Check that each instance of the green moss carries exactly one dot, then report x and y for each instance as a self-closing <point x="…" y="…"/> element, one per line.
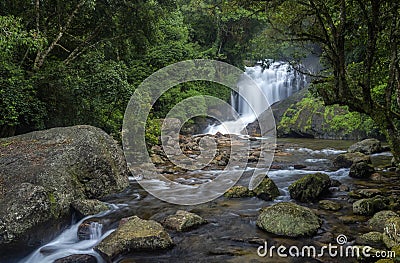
<point x="53" y="205"/>
<point x="338" y="119"/>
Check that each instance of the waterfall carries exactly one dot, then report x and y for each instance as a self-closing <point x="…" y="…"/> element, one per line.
<point x="277" y="81"/>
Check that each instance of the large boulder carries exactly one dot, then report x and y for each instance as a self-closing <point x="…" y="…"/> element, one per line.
<point x="288" y="219"/>
<point x="310" y="187"/>
<point x="132" y="235"/>
<point x="346" y="160"/>
<point x="43" y="173"/>
<point x="367" y="146"/>
<point x="361" y="170"/>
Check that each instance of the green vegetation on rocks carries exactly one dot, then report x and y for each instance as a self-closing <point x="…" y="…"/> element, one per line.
<point x="183" y="221"/>
<point x="132" y="235"/>
<point x="288" y="219"/>
<point x="267" y="190"/>
<point x="310" y="187"/>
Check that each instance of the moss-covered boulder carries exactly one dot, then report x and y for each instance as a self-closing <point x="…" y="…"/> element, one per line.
<point x="288" y="219"/>
<point x="43" y="172"/>
<point x="239" y="191"/>
<point x="183" y="221"/>
<point x="369" y="206"/>
<point x="376" y="223"/>
<point x="134" y="234"/>
<point x="310" y="187"/>
<point x="361" y="170"/>
<point x="391" y="236"/>
<point x="267" y="190"/>
<point x="367" y="146"/>
<point x="329" y="205"/>
<point x="346" y="160"/>
<point x="373" y="239"/>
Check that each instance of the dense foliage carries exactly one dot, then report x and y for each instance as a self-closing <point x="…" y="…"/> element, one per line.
<point x="78" y="62"/>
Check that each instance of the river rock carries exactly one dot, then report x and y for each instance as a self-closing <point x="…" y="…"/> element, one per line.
<point x="367" y="146"/>
<point x="369" y="206"/>
<point x="288" y="219"/>
<point x="133" y="235"/>
<point x="310" y="187"/>
<point x="373" y="239"/>
<point x="86" y="207"/>
<point x="361" y="170"/>
<point x="329" y="205"/>
<point x="77" y="259"/>
<point x="43" y="172"/>
<point x="183" y="221"/>
<point x="376" y="222"/>
<point x="391" y="235"/>
<point x="346" y="160"/>
<point x="239" y="191"/>
<point x="267" y="190"/>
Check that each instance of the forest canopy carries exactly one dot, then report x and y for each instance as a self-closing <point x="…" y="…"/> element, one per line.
<point x="78" y="62"/>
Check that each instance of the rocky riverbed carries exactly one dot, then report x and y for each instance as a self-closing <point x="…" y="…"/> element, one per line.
<point x="307" y="198"/>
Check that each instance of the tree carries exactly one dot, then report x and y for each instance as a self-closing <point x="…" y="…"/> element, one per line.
<point x="360" y="53"/>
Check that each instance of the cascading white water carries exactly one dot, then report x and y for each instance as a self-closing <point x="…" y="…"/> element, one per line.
<point x="276" y="82"/>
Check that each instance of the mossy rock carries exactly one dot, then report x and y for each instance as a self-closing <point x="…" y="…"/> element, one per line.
<point x="369" y="206"/>
<point x="361" y="170"/>
<point x="391" y="235"/>
<point x="346" y="160"/>
<point x="134" y="234"/>
<point x="289" y="219"/>
<point x="310" y="187"/>
<point x="373" y="239"/>
<point x="267" y="190"/>
<point x="367" y="146"/>
<point x="239" y="191"/>
<point x="183" y="221"/>
<point x="86" y="207"/>
<point x="329" y="205"/>
<point x="376" y="223"/>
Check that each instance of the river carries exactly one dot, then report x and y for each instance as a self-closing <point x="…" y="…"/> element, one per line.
<point x="231" y="234"/>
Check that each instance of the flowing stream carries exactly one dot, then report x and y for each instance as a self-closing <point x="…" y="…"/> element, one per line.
<point x="231" y="234"/>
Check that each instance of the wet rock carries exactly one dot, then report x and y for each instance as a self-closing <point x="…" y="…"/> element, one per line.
<point x="335" y="183"/>
<point x="361" y="170"/>
<point x="135" y="234"/>
<point x="329" y="205"/>
<point x="376" y="222"/>
<point x="267" y="190"/>
<point x="90" y="229"/>
<point x="77" y="259"/>
<point x="370" y="206"/>
<point x="239" y="191"/>
<point x="373" y="239"/>
<point x="369" y="192"/>
<point x="391" y="235"/>
<point x="43" y="172"/>
<point x="156" y="159"/>
<point x="299" y="166"/>
<point x="346" y="160"/>
<point x="86" y="207"/>
<point x="288" y="219"/>
<point x="344" y="188"/>
<point x="183" y="221"/>
<point x="326" y="238"/>
<point x="367" y="146"/>
<point x="310" y="187"/>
